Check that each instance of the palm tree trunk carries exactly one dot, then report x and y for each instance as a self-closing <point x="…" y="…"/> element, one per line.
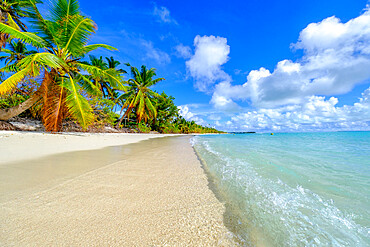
<point x="124" y="115"/>
<point x="6" y="114"/>
<point x="120" y="120"/>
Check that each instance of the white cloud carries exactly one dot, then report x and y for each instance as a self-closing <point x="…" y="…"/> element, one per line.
<point x="183" y="51"/>
<point x="156" y="54"/>
<point x="184" y="112"/>
<point x="315" y="113"/>
<point x="190" y="116"/>
<point x="336" y="59"/>
<point x="205" y="65"/>
<point x="214" y="117"/>
<point x="296" y="95"/>
<point x="164" y="15"/>
<point x="223" y="103"/>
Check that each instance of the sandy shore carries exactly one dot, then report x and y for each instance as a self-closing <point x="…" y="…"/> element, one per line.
<point x="23" y="145"/>
<point x="152" y="193"/>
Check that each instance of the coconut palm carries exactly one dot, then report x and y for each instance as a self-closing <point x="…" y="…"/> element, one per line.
<point x="101" y="81"/>
<point x="61" y="42"/>
<point x="139" y="96"/>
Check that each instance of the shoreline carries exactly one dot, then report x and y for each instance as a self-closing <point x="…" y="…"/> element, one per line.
<point x="156" y="194"/>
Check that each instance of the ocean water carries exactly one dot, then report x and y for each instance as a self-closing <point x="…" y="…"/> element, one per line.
<point x="291" y="189"/>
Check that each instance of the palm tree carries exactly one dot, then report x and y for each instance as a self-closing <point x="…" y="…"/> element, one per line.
<point x="61" y="42"/>
<point x="16" y="52"/>
<point x="11" y="12"/>
<point x="139" y="96"/>
<point x="101" y="81"/>
<point x="112" y="63"/>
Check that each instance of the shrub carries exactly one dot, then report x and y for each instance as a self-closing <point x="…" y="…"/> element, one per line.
<point x="143" y="128"/>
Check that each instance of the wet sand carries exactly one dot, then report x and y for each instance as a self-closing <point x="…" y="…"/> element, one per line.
<point x="152" y="193"/>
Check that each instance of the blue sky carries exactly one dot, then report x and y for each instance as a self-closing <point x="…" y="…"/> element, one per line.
<point x="249" y="65"/>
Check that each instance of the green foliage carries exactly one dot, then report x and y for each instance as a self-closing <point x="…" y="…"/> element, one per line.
<point x="61" y="41"/>
<point x="139" y="96"/>
<point x="143" y="128"/>
<point x="84" y="91"/>
<point x="103" y="111"/>
<point x="21" y="94"/>
<point x="11" y="100"/>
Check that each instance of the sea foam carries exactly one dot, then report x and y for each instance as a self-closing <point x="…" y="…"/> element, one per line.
<point x="292" y="189"/>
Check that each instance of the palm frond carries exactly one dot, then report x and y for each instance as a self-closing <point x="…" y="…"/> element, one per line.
<point x="79" y="30"/>
<point x="38" y="61"/>
<point x="138" y="97"/>
<point x="78" y="106"/>
<point x="88" y="86"/>
<point x="151" y="109"/>
<point x="113" y="77"/>
<point x="155" y="81"/>
<point x="6" y="50"/>
<point x="63" y="9"/>
<point x="45" y="28"/>
<point x="10" y="83"/>
<point x="12" y="23"/>
<point x="89" y="48"/>
<point x="10" y="68"/>
<point x="29" y="38"/>
<point x="140" y="110"/>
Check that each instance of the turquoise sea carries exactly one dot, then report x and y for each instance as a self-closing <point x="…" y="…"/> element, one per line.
<point x="291" y="189"/>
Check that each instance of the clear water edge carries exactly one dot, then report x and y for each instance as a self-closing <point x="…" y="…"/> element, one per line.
<point x="291" y="189"/>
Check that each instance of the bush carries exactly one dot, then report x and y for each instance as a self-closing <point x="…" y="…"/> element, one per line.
<point x="143" y="128"/>
<point x="103" y="111"/>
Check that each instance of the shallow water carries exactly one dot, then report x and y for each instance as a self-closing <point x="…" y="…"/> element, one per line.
<point x="292" y="189"/>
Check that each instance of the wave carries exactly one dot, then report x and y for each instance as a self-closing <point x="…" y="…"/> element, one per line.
<point x="268" y="211"/>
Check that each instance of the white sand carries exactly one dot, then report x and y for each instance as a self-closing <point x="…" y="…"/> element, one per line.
<point x="19" y="145"/>
<point x="156" y="194"/>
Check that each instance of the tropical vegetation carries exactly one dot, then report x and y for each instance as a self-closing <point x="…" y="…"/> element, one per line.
<point x="47" y="75"/>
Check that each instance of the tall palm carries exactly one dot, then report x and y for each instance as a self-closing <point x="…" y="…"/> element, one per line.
<point x="98" y="79"/>
<point x="101" y="81"/>
<point x="62" y="42"/>
<point x="139" y="96"/>
<point x="11" y="12"/>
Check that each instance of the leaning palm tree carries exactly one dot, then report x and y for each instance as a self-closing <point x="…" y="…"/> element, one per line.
<point x="139" y="96"/>
<point x="61" y="42"/>
<point x="11" y="12"/>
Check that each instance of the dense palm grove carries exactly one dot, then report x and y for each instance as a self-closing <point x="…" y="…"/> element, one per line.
<point x="49" y="75"/>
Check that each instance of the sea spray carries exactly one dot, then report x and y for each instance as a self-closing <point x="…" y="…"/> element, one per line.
<point x="292" y="189"/>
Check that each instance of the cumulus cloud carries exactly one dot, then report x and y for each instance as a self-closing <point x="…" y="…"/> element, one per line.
<point x="163" y="14"/>
<point x="188" y="115"/>
<point x="205" y="64"/>
<point x="183" y="51"/>
<point x="296" y="95"/>
<point x="184" y="112"/>
<point x="336" y="59"/>
<point x="156" y="54"/>
<point x="315" y="113"/>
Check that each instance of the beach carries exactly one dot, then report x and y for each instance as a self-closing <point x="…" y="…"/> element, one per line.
<point x="92" y="190"/>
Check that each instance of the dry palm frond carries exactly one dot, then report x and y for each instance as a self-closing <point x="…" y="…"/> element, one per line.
<point x="53" y="110"/>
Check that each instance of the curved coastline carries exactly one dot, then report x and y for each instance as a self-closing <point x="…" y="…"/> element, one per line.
<point x="156" y="194"/>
